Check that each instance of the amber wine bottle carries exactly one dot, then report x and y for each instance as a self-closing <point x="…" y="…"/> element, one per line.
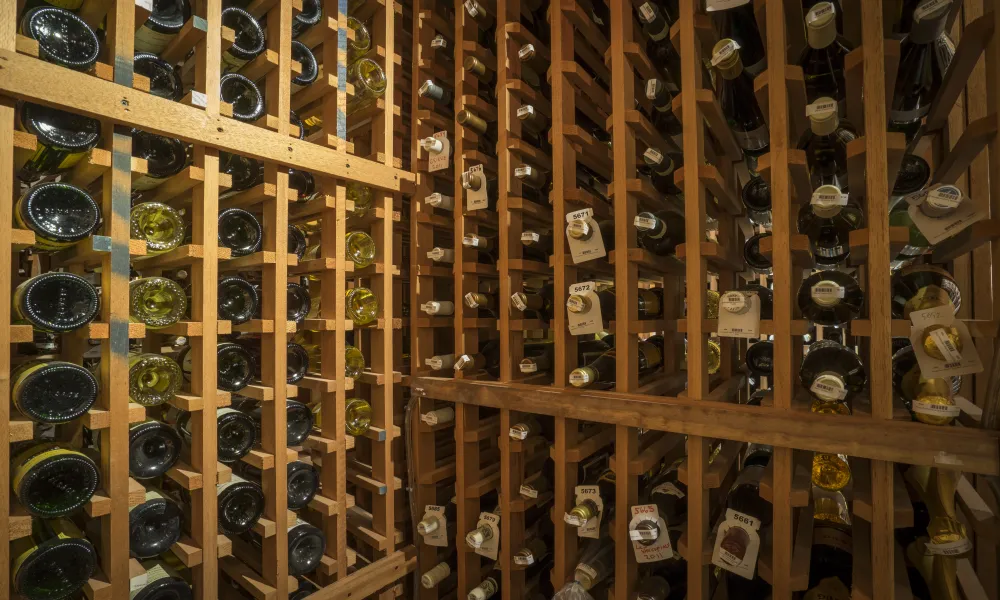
<point x="156" y="301"/>
<point x="55" y="302"/>
<point x="55" y="561"/>
<point x="362" y="305"/>
<point x="153" y="379"/>
<point x="60" y="214"/>
<point x="160" y="225"/>
<point x="154" y="447"/>
<point x="53" y="391"/>
<point x="50" y="480"/>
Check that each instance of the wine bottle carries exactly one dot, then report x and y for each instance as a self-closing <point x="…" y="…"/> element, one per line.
<point x="55" y="302"/>
<point x="162" y="582"/>
<point x="62" y="139"/>
<point x="303" y="480"/>
<point x="535" y="303"/>
<point x="310" y="70"/>
<point x="238" y="300"/>
<point x="153" y="379"/>
<point x="161" y="226"/>
<point x="756" y="197"/>
<point x="237" y="433"/>
<point x="249" y="40"/>
<point x="164" y="156"/>
<point x="534" y="126"/>
<point x="830" y="298"/>
<point x="235" y="365"/>
<point x="822" y="61"/>
<point x="438" y="308"/>
<point x="487" y="359"/>
<point x="659" y="49"/>
<point x="828" y="225"/>
<point x="582" y="304"/>
<point x="439" y="200"/>
<point x="485" y="22"/>
<point x="156" y="301"/>
<point x="825" y="145"/>
<point x="736" y="21"/>
<point x="298" y="422"/>
<point x="832" y="372"/>
<point x="601" y="374"/>
<point x="240" y="231"/>
<point x="441" y="96"/>
<point x="303" y="184"/>
<point x="596" y="564"/>
<point x="310" y="15"/>
<point x="154" y="447"/>
<point x="241" y="504"/>
<point x="55" y="561"/>
<point x="361" y="45"/>
<point x="583" y="230"/>
<point x="165" y="21"/>
<point x="485" y="245"/>
<point x="362" y="197"/>
<point x="666" y="581"/>
<point x="60" y="214"/>
<point x="486" y="301"/>
<point x="535" y="183"/>
<point x="744" y="495"/>
<point x="925" y="56"/>
<point x="442" y="255"/>
<point x="362" y="305"/>
<point x="439" y="362"/>
<point x="489" y="588"/>
<point x="246" y="173"/>
<point x="357" y="416"/>
<point x="536" y="245"/>
<point x="922" y="287"/>
<point x="831" y="560"/>
<point x="360" y="248"/>
<point x="486" y="130"/>
<point x="298" y="302"/>
<point x="51" y="480"/>
<point x="735" y="91"/>
<point x="660" y="170"/>
<point x="154" y="526"/>
<point x="533" y="69"/>
<point x="913" y="175"/>
<point x="663" y="118"/>
<point x="53" y="391"/>
<point x="758" y="262"/>
<point x="306" y="546"/>
<point x="369" y="84"/>
<point x="485" y="76"/>
<point x="62" y="37"/>
<point x="669" y="494"/>
<point x="830" y="471"/>
<point x="759" y="358"/>
<point x="243" y="94"/>
<point x="930" y="400"/>
<point x="660" y="232"/>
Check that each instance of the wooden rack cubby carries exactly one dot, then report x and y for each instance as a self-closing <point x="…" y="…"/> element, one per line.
<point x="363" y="557"/>
<point x="958" y="141"/>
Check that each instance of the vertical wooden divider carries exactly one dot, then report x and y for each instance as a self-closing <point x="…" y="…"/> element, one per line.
<point x="785" y="362"/>
<point x="696" y="275"/>
<point x="274" y="303"/>
<point x="877" y="291"/>
<point x="8" y="188"/>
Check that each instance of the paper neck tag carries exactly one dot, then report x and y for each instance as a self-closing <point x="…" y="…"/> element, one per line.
<point x="584" y="320"/>
<point x="491" y="545"/>
<point x="740" y="315"/>
<point x="737" y="544"/>
<point x="438" y="537"/>
<point x="439" y="158"/>
<point x="592" y="527"/>
<point x="649" y="534"/>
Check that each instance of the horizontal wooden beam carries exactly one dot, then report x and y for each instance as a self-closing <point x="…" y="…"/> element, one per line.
<point x="35" y="80"/>
<point x="973" y="450"/>
<point x="365" y="582"/>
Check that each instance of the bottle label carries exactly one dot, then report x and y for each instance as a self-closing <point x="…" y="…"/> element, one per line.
<point x="439" y="42"/>
<point x="835" y="538"/>
<point x="152" y="42"/>
<point x="822" y="109"/>
<point x="647" y="12"/>
<point x="438" y="537"/>
<point x="644" y="223"/>
<point x="928" y="8"/>
<point x="581" y="321"/>
<point x="528" y="366"/>
<point x="650" y="544"/>
<point x="961" y="546"/>
<point x="831" y="588"/>
<point x="740" y="315"/>
<point x="737" y="544"/>
<point x="724" y="52"/>
<point x="938" y="410"/>
<point x="591" y="528"/>
<point x="526" y="490"/>
<point x="475" y="199"/>
<point x="491" y="545"/>
<point x="945" y="197"/>
<point x="827" y="391"/>
<point x="441" y="159"/>
<point x="968" y="362"/>
<point x="530" y="237"/>
<point x="518" y="302"/>
<point x="525" y="112"/>
<point x="471" y="8"/>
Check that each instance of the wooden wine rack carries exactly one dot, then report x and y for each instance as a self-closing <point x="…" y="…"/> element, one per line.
<point x="685" y="400"/>
<point x="121" y="100"/>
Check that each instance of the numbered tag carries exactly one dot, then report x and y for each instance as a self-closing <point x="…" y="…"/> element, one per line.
<point x="489" y="548"/>
<point x="928" y="8"/>
<point x="965" y="363"/>
<point x="739" y="316"/>
<point x="938" y="229"/>
<point x="592" y="527"/>
<point x="649" y="545"/>
<point x="583" y="321"/>
<point x="439" y="161"/>
<point x="583" y="250"/>
<point x="476" y="199"/>
<point x="737" y="544"/>
<point x="438" y="537"/>
<point x="724" y="52"/>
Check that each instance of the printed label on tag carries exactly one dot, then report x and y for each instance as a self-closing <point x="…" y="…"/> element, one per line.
<point x="648" y="544"/>
<point x="573" y="520"/>
<point x="530" y="236"/>
<point x="740" y="317"/>
<point x="138" y="582"/>
<point x="579" y="215"/>
<point x="829" y="199"/>
<point x="587" y="321"/>
<point x="945" y="345"/>
<point x="198" y="99"/>
<point x="737" y="544"/>
<point x="951" y="548"/>
<point x="518" y="303"/>
<point x="819" y="11"/>
<point x="928" y="8"/>
<point x="592" y="493"/>
<point x="823" y="292"/>
<point x="937" y="230"/>
<point x="491" y="546"/>
<point x="826" y="391"/>
<point x="476" y="199"/>
<point x="439" y="42"/>
<point x="438" y="537"/>
<point x="968" y="363"/>
<point x="653" y="155"/>
<point x="517" y="433"/>
<point x="724" y="52"/>
<point x="526" y="490"/>
<point x="945" y="196"/>
<point x="821" y="108"/>
<point x="647" y="12"/>
<point x="938" y="410"/>
<point x="651" y="89"/>
<point x="525" y="111"/>
<point x="439" y="161"/>
<point x="591" y="248"/>
<point x="644" y="223"/>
